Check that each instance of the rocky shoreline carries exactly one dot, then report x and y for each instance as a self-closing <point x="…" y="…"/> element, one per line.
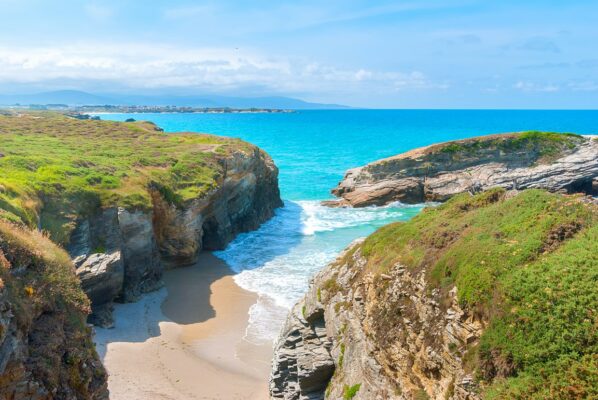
<point x="554" y="162"/>
<point x="449" y="306"/>
<point x="403" y="333"/>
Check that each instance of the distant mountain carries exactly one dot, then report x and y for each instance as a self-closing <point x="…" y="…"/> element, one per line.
<point x="69" y="97"/>
<point x="79" y="98"/>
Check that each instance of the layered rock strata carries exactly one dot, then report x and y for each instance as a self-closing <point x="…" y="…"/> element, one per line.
<point x="328" y="347"/>
<point x="120" y="253"/>
<point x="510" y="161"/>
<point x="466" y="300"/>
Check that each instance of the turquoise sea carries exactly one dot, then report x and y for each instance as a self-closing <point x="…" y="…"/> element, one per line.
<point x="312" y="150"/>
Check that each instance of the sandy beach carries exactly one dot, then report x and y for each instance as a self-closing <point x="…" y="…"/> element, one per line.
<point x="186" y="341"/>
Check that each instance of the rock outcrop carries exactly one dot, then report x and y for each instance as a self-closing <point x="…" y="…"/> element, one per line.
<point x="46" y="351"/>
<point x="464" y="300"/>
<point x="122" y="253"/>
<point x="327" y="347"/>
<point x="303" y="364"/>
<point x="126" y="199"/>
<point x="512" y="161"/>
<point x="102" y="277"/>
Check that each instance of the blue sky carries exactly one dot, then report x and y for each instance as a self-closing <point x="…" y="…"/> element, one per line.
<point x="390" y="54"/>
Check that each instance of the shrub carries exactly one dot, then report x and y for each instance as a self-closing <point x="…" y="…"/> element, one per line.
<point x="351" y="391"/>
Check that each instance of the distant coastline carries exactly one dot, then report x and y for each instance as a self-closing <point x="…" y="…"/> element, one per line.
<point x="144" y="109"/>
<point x="110" y="109"/>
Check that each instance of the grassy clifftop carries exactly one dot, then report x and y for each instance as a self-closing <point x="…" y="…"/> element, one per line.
<point x="546" y="144"/>
<point x="526" y="265"/>
<point x="53" y="167"/>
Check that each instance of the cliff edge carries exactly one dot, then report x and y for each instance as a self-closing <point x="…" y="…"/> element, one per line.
<point x="489" y="296"/>
<point x="541" y="160"/>
<point x="127" y="200"/>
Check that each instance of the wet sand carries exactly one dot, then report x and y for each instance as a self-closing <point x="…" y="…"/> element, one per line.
<point x="187" y="340"/>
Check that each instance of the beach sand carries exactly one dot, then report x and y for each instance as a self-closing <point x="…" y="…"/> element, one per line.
<point x="186" y="341"/>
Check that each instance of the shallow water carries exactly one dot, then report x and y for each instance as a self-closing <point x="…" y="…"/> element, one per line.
<point x="312" y="150"/>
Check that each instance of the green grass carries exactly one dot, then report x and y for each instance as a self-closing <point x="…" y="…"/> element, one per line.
<point x="47" y="273"/>
<point x="351" y="391"/>
<point x="37" y="278"/>
<point x="546" y="144"/>
<point x="330" y="287"/>
<point x="421" y="395"/>
<point x="529" y="266"/>
<point x="54" y="168"/>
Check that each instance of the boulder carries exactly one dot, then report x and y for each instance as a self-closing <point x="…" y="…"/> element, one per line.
<point x="102" y="277"/>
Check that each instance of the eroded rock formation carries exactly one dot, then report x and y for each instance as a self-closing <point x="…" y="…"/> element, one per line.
<point x="511" y="161"/>
<point x="330" y="343"/>
<point x="467" y="300"/>
<point x="122" y="253"/>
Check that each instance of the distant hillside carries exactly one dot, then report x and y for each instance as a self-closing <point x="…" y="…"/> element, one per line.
<point x="69" y="97"/>
<point x="78" y="98"/>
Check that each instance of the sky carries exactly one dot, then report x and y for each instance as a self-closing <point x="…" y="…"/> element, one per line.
<point x="378" y="54"/>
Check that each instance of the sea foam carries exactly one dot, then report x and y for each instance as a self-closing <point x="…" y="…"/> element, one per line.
<point x="277" y="260"/>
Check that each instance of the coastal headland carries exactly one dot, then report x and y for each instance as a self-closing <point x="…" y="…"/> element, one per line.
<point x="127" y="202"/>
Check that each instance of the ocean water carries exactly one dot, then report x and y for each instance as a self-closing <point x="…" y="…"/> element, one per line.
<point x="312" y="150"/>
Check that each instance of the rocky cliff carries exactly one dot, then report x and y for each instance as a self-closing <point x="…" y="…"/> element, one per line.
<point x="550" y="161"/>
<point x="488" y="296"/>
<point x="120" y="254"/>
<point x="46" y="350"/>
<point x="127" y="200"/>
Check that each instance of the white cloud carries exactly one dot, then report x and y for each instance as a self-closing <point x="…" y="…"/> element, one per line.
<point x="161" y="66"/>
<point x="534" y="87"/>
<point x="416" y="80"/>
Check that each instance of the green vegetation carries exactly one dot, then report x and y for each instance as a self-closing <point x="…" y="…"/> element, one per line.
<point x="547" y="144"/>
<point x="330" y="287"/>
<point x="341" y="358"/>
<point x="342" y="305"/>
<point x="421" y="395"/>
<point x="528" y="264"/>
<point x="350" y="391"/>
<point x="38" y="284"/>
<point x="47" y="274"/>
<point x="54" y="168"/>
<point x="452" y="347"/>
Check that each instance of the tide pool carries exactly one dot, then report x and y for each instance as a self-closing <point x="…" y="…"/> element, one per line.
<point x="312" y="150"/>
